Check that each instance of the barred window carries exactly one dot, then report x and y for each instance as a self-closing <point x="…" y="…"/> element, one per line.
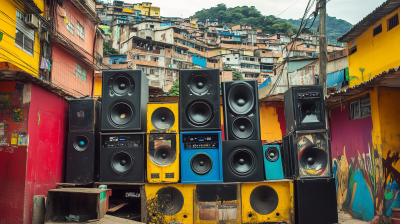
<point x="70" y="27"/>
<point x="24" y="35"/>
<point x="80" y="30"/>
<point x="80" y="72"/>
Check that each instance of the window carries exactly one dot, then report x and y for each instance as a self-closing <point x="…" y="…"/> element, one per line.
<point x="228" y="59"/>
<point x="24" y="35"/>
<point x="393" y="22"/>
<point x="156" y="13"/>
<point x="263" y="51"/>
<point x="360" y="109"/>
<point x="378" y="29"/>
<point x="80" y="72"/>
<point x="80" y="30"/>
<point x="353" y="50"/>
<point x="70" y="27"/>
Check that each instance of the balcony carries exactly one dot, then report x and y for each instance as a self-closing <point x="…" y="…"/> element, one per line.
<point x="249" y="62"/>
<point x="250" y="70"/>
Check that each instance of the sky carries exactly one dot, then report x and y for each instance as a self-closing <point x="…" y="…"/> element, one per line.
<point x="352" y="11"/>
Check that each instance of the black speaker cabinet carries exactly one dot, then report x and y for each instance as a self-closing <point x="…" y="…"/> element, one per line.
<point x="199" y="100"/>
<point x="304" y="108"/>
<point x="242" y="161"/>
<point x="286" y="155"/>
<point x="315" y="201"/>
<point x="241" y="111"/>
<point x="82" y="157"/>
<point x="122" y="157"/>
<point x="84" y="115"/>
<point x="125" y="94"/>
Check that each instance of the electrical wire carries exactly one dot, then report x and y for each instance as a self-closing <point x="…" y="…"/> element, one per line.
<point x="287" y="8"/>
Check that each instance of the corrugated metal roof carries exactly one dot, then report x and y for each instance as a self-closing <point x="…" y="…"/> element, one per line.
<point x="386" y="8"/>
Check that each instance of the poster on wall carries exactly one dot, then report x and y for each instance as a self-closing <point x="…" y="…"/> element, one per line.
<point x="18" y="114"/>
<point x="5" y="100"/>
<point x="14" y="138"/>
<point x="22" y="139"/>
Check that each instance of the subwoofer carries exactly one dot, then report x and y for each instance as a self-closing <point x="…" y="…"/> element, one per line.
<point x="84" y="115"/>
<point x="273" y="162"/>
<point x="268" y="202"/>
<point x="122" y="157"/>
<point x="163" y="158"/>
<point x="199" y="100"/>
<point x="162" y="118"/>
<point x="82" y="157"/>
<point x="304" y="108"/>
<point x="201" y="157"/>
<point x="241" y="111"/>
<point x="169" y="203"/>
<point x="125" y="94"/>
<point x="315" y="201"/>
<point x="242" y="161"/>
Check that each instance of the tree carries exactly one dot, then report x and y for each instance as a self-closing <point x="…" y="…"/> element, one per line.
<point x="174" y="91"/>
<point x="108" y="50"/>
<point x="236" y="75"/>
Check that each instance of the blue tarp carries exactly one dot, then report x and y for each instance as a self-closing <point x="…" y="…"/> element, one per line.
<point x="265" y="83"/>
<point x="335" y="77"/>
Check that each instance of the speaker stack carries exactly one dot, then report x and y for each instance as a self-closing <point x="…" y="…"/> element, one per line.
<point x="125" y="96"/>
<point x="306" y="155"/>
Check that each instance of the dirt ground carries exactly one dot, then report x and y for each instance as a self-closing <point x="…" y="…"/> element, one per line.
<point x="345" y="218"/>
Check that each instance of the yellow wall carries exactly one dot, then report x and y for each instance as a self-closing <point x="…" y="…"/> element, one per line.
<point x="270" y="121"/>
<point x="223" y="51"/>
<point x="375" y="54"/>
<point x="10" y="54"/>
<point x="127" y="10"/>
<point x="97" y="86"/>
<point x="155" y="11"/>
<point x="147" y="9"/>
<point x="193" y="24"/>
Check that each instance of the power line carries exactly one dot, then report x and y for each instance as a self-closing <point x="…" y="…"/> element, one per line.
<point x="287" y="8"/>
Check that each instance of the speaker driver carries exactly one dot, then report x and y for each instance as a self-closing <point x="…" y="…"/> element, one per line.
<point x="121" y="84"/>
<point x="201" y="164"/>
<point x="199" y="83"/>
<point x="199" y="113"/>
<point x="80" y="143"/>
<point x="264" y="200"/>
<point x="121" y="113"/>
<point x="121" y="162"/>
<point x="171" y="200"/>
<point x="241" y="98"/>
<point x="242" y="127"/>
<point x="272" y="154"/>
<point x="162" y="118"/>
<point x="242" y="161"/>
<point x="313" y="160"/>
<point x="163" y="156"/>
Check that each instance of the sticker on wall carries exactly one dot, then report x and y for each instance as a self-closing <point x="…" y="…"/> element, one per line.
<point x="3" y="140"/>
<point x="1" y="128"/>
<point x="14" y="138"/>
<point x="5" y="100"/>
<point x="23" y="139"/>
<point x="18" y="114"/>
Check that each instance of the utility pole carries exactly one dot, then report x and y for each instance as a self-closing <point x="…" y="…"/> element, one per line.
<point x="323" y="60"/>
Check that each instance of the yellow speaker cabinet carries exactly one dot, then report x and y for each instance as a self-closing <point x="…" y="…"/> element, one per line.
<point x="170" y="203"/>
<point x="162" y="117"/>
<point x="267" y="202"/>
<point x="162" y="158"/>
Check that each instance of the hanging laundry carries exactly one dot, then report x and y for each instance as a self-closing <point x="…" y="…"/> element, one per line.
<point x="44" y="64"/>
<point x="65" y="20"/>
<point x="48" y="62"/>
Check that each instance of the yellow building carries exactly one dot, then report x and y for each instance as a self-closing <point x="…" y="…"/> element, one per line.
<point x="19" y="37"/>
<point x="147" y="9"/>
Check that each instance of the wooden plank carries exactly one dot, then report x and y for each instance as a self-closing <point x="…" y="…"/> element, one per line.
<point x="143" y="204"/>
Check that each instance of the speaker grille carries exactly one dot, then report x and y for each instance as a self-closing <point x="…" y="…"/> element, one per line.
<point x="121" y="162"/>
<point x="242" y="127"/>
<point x="199" y="113"/>
<point x="199" y="83"/>
<point x="171" y="200"/>
<point x="272" y="154"/>
<point x="163" y="118"/>
<point x="163" y="156"/>
<point x="201" y="163"/>
<point x="80" y="143"/>
<point x="241" y="98"/>
<point x="121" y="113"/>
<point x="242" y="161"/>
<point x="313" y="157"/>
<point x="121" y="84"/>
<point x="264" y="200"/>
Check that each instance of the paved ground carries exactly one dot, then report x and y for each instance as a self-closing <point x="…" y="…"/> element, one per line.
<point x="345" y="218"/>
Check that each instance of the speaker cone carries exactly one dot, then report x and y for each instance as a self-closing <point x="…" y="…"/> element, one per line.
<point x="264" y="200"/>
<point x="242" y="161"/>
<point x="122" y="84"/>
<point x="171" y="200"/>
<point x="313" y="157"/>
<point x="121" y="162"/>
<point x="199" y="113"/>
<point x="121" y="113"/>
<point x="272" y="154"/>
<point x="241" y="98"/>
<point x="242" y="127"/>
<point x="162" y="118"/>
<point x="199" y="83"/>
<point x="163" y="156"/>
<point x="201" y="164"/>
<point x="80" y="143"/>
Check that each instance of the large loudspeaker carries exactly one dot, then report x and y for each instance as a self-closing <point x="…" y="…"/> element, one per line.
<point x="201" y="157"/>
<point x="163" y="158"/>
<point x="304" y="108"/>
<point x="124" y="104"/>
<point x="199" y="100"/>
<point x="84" y="115"/>
<point x="267" y="202"/>
<point x="122" y="158"/>
<point x="169" y="203"/>
<point x="241" y="111"/>
<point x="243" y="161"/>
<point x="315" y="201"/>
<point x="273" y="162"/>
<point x="217" y="203"/>
<point x="82" y="157"/>
<point x="162" y="118"/>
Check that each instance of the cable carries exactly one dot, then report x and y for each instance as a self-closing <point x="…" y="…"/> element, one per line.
<point x="287" y="8"/>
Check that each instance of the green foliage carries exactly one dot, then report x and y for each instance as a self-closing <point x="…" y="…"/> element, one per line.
<point x="236" y="75"/>
<point x="174" y="91"/>
<point x="108" y="50"/>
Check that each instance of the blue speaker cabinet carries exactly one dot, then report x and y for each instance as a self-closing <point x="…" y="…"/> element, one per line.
<point x="273" y="162"/>
<point x="201" y="157"/>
